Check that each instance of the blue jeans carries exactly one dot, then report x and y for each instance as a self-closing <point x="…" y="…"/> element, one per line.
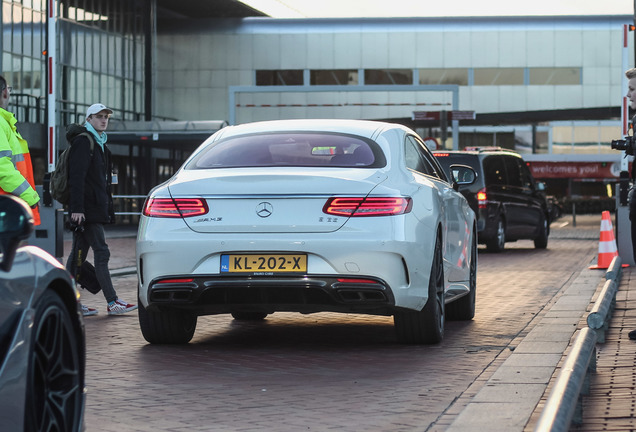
<point x="93" y="237"/>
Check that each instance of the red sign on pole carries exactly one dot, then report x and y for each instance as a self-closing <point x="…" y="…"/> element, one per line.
<point x="426" y="115"/>
<point x="436" y="115"/>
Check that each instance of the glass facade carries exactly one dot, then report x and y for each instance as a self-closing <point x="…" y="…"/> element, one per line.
<point x="434" y="76"/>
<point x="555" y="76"/>
<point x="457" y="76"/>
<point x="100" y="57"/>
<point x="23" y="61"/>
<point x="279" y="77"/>
<point x="388" y="76"/>
<point x="499" y="76"/>
<point x="334" y="77"/>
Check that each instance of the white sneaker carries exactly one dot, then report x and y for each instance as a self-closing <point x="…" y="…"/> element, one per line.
<point x="88" y="311"/>
<point x="119" y="307"/>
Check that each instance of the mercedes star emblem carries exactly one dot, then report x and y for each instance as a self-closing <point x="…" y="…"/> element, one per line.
<point x="264" y="209"/>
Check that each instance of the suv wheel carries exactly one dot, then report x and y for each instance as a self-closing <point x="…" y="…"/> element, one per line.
<point x="498" y="242"/>
<point x="541" y="242"/>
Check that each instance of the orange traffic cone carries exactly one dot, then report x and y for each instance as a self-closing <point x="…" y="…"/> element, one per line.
<point x="607" y="249"/>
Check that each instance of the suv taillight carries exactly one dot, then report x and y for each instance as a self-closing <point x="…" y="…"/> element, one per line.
<point x="370" y="206"/>
<point x="175" y="208"/>
<point x="482" y="198"/>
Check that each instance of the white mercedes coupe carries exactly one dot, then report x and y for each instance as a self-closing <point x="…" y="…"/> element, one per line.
<point x="308" y="216"/>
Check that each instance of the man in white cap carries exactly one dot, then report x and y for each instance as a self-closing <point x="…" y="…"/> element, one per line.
<point x="91" y="201"/>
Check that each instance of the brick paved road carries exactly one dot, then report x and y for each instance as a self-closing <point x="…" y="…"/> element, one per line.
<point x="316" y="372"/>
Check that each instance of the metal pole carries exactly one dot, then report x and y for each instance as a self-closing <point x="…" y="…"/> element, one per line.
<point x="149" y="39"/>
<point x="51" y="83"/>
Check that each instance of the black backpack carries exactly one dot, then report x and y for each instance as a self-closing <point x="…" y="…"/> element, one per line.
<point x="58" y="185"/>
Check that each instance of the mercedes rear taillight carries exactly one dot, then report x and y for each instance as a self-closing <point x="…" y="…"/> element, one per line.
<point x="370" y="206"/>
<point x="175" y="208"/>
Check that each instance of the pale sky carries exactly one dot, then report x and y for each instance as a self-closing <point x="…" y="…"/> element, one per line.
<point x="437" y="8"/>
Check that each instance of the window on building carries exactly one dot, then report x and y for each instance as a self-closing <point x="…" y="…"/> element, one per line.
<point x="457" y="76"/>
<point x="555" y="76"/>
<point x="23" y="65"/>
<point x="388" y="76"/>
<point x="102" y="58"/>
<point x="334" y="77"/>
<point x="285" y="77"/>
<point x="499" y="76"/>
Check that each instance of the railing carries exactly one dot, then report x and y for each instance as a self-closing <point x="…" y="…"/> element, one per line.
<point x="27" y="108"/>
<point x="564" y="405"/>
<point x="129" y="207"/>
<point x="74" y="112"/>
<point x="597" y="318"/>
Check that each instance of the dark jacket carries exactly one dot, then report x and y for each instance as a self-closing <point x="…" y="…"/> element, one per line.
<point x="90" y="178"/>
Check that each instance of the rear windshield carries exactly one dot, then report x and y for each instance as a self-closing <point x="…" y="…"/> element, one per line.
<point x="448" y="159"/>
<point x="290" y="149"/>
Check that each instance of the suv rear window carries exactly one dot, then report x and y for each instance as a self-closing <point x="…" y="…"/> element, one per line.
<point x="448" y="159"/>
<point x="290" y="149"/>
<point x="494" y="170"/>
<point x="514" y="176"/>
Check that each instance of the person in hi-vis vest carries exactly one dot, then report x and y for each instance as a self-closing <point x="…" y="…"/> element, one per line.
<point x="16" y="169"/>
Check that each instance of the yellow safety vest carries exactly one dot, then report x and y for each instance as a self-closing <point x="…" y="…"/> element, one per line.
<point x="16" y="169"/>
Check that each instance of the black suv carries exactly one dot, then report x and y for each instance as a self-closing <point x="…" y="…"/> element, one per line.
<point x="508" y="203"/>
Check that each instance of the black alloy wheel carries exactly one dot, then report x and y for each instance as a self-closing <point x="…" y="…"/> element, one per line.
<point x="55" y="387"/>
<point x="426" y="326"/>
<point x="463" y="309"/>
<point x="166" y="326"/>
<point x="498" y="243"/>
<point x="541" y="241"/>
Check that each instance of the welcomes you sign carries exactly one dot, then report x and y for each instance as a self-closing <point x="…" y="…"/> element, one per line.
<point x="583" y="170"/>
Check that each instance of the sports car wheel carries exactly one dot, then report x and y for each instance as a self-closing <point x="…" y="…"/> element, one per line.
<point x="249" y="316"/>
<point x="167" y="326"/>
<point x="55" y="384"/>
<point x="498" y="243"/>
<point x="427" y="325"/>
<point x="464" y="308"/>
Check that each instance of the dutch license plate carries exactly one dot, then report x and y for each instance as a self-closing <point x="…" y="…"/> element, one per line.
<point x="264" y="263"/>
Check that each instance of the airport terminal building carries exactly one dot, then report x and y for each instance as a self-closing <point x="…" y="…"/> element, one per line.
<point x="174" y="72"/>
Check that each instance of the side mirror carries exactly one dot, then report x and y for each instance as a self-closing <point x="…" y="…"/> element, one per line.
<point x="463" y="175"/>
<point x="16" y="225"/>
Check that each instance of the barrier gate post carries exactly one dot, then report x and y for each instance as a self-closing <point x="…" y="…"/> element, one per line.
<point x="49" y="235"/>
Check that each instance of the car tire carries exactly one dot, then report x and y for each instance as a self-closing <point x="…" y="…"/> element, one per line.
<point x="55" y="375"/>
<point x="426" y="326"/>
<point x="498" y="242"/>
<point x="463" y="309"/>
<point x="541" y="242"/>
<point x="249" y="316"/>
<point x="166" y="326"/>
